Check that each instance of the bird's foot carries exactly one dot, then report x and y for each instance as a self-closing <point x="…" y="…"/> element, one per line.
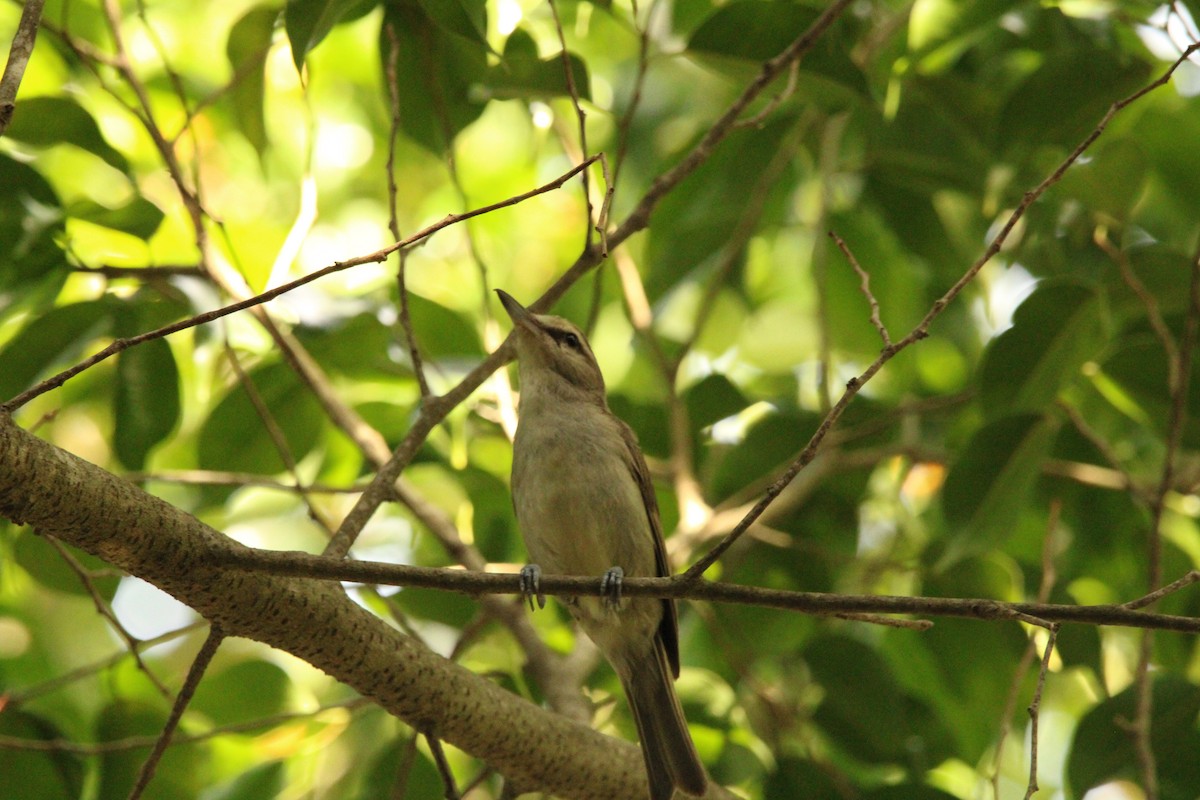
<point x="610" y="587"/>
<point x="531" y="585"/>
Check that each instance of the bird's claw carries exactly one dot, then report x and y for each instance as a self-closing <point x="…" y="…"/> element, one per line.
<point x="531" y="585"/>
<point x="610" y="587"/>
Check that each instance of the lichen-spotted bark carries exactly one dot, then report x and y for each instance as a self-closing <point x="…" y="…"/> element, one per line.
<point x="79" y="503"/>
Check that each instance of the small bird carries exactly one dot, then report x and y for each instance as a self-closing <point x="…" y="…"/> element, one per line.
<point x="585" y="505"/>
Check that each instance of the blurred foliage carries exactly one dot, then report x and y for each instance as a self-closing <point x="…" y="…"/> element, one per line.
<point x="912" y="130"/>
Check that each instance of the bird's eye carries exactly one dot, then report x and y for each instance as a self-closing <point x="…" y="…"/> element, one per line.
<point x="571" y="340"/>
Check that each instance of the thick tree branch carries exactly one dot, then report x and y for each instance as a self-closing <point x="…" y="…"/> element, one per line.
<point x="87" y="507"/>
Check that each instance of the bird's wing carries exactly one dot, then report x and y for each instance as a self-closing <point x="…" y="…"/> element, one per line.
<point x="668" y="629"/>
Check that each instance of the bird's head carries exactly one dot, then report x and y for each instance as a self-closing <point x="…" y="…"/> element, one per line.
<point x="553" y="354"/>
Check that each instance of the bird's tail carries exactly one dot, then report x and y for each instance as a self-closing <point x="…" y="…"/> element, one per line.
<point x="671" y="759"/>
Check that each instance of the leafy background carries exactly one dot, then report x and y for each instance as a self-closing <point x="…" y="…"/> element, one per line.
<point x="1016" y="450"/>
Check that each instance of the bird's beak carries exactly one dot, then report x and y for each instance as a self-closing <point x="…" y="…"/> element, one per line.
<point x="520" y="315"/>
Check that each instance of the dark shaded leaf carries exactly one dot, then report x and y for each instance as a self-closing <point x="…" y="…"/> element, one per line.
<point x="989" y="486"/>
<point x="1059" y="328"/>
<point x="44" y="564"/>
<point x="247" y="47"/>
<point x="47" y="121"/>
<point x="244" y="691"/>
<point x="138" y="217"/>
<point x="308" y="22"/>
<point x="440" y="72"/>
<point x="260" y="782"/>
<point x="33" y="774"/>
<point x="31" y="221"/>
<point x="181" y="772"/>
<point x="859" y="692"/>
<point x="520" y="73"/>
<point x="1103" y="750"/>
<point x="466" y="18"/>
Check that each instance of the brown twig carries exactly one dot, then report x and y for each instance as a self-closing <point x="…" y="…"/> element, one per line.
<point x="18" y="58"/>
<point x="864" y="285"/>
<point x="580" y="117"/>
<point x="1141" y="727"/>
<point x="443" y="767"/>
<point x="195" y="674"/>
<point x="102" y="607"/>
<point x="120" y="345"/>
<point x="922" y="329"/>
<point x="410" y="340"/>
<point x="290" y="563"/>
<point x="1034" y="708"/>
<point x="1170" y="588"/>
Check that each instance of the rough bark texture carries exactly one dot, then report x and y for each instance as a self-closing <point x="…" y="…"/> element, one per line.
<point x="85" y="506"/>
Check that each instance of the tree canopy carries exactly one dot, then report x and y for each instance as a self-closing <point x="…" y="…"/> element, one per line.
<point x="900" y="298"/>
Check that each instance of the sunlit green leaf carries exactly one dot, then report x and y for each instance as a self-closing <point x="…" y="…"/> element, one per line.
<point x="58" y="336"/>
<point x="235" y="438"/>
<point x="308" y="22"/>
<point x="242" y="692"/>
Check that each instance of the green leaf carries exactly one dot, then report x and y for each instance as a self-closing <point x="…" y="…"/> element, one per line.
<point x="1064" y="99"/>
<point x="308" y="22"/>
<point x="58" y="336"/>
<point x="234" y="438"/>
<point x="181" y="772"/>
<point x="940" y="30"/>
<point x="45" y="565"/>
<point x="257" y="783"/>
<point x="766" y="446"/>
<point x="440" y="331"/>
<point x="466" y="18"/>
<point x="859" y="691"/>
<point x="1103" y="749"/>
<point x="138" y="217"/>
<point x="520" y="73"/>
<point x="988" y="487"/>
<point x="439" y="70"/>
<point x="247" y="47"/>
<point x="755" y="31"/>
<point x="34" y="774"/>
<point x="712" y="399"/>
<point x="1059" y="328"/>
<point x="146" y="406"/>
<point x="698" y="218"/>
<point x="245" y="691"/>
<point x="47" y="121"/>
<point x="31" y="222"/>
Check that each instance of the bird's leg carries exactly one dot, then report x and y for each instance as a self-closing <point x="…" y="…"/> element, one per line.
<point x="531" y="585"/>
<point x="610" y="587"/>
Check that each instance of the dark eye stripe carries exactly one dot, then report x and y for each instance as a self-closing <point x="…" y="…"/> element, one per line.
<point x="569" y="338"/>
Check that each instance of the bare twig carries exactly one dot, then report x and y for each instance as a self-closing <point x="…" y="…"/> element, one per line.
<point x="922" y="329"/>
<point x="377" y="256"/>
<point x="479" y="583"/>
<point x="1034" y="708"/>
<point x="102" y="607"/>
<point x="18" y="58"/>
<point x="414" y="352"/>
<point x="195" y="673"/>
<point x="443" y="767"/>
<point x="581" y="118"/>
<point x="1170" y="588"/>
<point x="1141" y="727"/>
<point x="864" y="285"/>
